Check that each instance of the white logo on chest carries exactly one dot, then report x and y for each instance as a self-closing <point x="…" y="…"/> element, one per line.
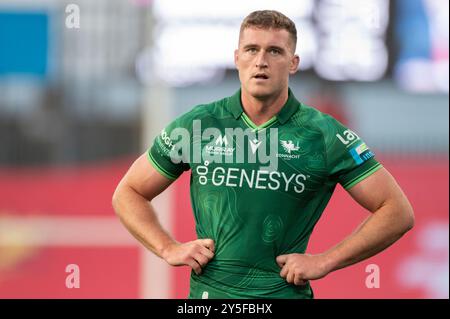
<point x="289" y="146"/>
<point x="254" y="145"/>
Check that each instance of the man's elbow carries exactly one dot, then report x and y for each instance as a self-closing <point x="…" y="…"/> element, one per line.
<point x="117" y="199"/>
<point x="411" y="221"/>
<point x="408" y="218"/>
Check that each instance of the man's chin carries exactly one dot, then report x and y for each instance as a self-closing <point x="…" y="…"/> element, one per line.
<point x="261" y="94"/>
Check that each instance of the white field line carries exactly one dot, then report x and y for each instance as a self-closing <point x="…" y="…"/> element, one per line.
<point x="63" y="231"/>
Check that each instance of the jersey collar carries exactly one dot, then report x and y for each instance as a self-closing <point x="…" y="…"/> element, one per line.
<point x="290" y="107"/>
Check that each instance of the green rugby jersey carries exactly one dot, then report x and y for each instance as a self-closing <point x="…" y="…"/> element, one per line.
<point x="258" y="191"/>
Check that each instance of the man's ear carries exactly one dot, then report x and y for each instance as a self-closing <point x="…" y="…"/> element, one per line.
<point x="294" y="64"/>
<point x="236" y="58"/>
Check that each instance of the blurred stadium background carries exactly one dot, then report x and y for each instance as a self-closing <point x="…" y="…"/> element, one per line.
<point x="78" y="105"/>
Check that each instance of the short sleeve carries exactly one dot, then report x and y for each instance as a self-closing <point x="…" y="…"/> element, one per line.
<point x="166" y="153"/>
<point x="349" y="159"/>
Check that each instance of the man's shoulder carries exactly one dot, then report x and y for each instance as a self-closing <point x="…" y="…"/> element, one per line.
<point x="311" y="117"/>
<point x="218" y="109"/>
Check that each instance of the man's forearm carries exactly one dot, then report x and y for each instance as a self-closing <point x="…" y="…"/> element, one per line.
<point x="138" y="216"/>
<point x="375" y="234"/>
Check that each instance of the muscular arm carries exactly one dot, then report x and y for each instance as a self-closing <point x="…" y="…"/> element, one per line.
<point x="392" y="216"/>
<point x="132" y="203"/>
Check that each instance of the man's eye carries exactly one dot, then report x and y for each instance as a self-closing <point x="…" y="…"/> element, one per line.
<point x="274" y="51"/>
<point x="251" y="50"/>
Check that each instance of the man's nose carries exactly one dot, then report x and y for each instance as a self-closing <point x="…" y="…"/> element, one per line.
<point x="261" y="60"/>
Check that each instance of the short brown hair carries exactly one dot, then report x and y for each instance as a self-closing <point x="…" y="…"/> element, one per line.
<point x="270" y="19"/>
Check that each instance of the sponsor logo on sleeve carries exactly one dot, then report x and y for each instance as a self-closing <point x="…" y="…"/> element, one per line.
<point x="348" y="137"/>
<point x="166" y="142"/>
<point x="361" y="153"/>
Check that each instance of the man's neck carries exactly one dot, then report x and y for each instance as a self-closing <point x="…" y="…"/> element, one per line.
<point x="262" y="110"/>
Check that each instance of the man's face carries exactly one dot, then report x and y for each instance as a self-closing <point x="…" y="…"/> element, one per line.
<point x="264" y="60"/>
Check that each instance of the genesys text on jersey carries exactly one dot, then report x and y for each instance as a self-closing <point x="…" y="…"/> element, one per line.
<point x="254" y="179"/>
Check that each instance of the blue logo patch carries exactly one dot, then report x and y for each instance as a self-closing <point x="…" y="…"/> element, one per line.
<point x="361" y="153"/>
